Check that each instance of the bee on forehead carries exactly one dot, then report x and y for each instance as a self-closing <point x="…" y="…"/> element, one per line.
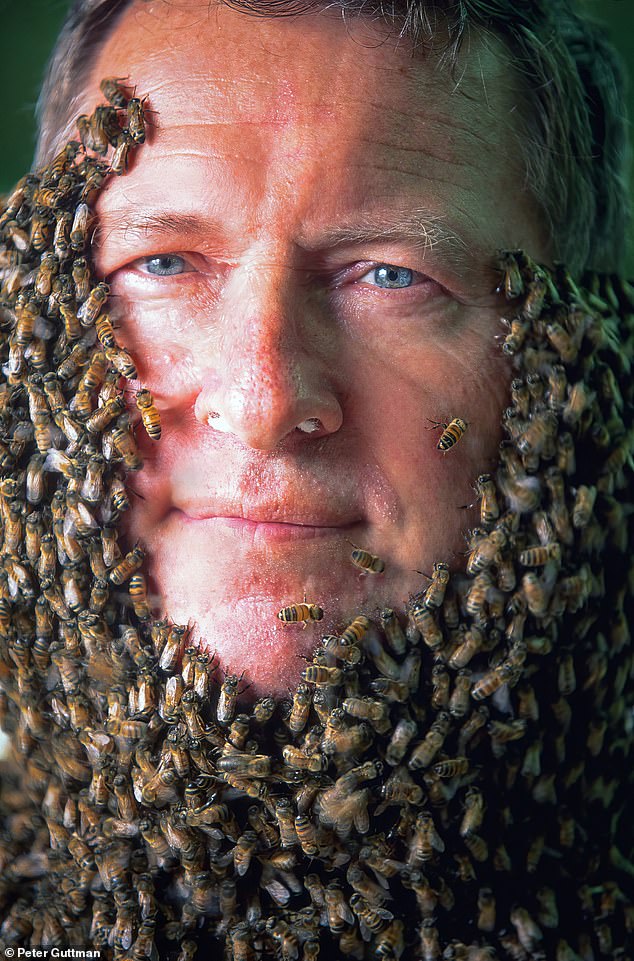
<point x="114" y="92"/>
<point x="451" y="432"/>
<point x="136" y="119"/>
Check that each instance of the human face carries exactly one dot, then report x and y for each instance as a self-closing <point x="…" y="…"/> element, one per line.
<point x="301" y="260"/>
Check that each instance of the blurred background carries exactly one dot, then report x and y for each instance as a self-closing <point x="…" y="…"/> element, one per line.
<point x="28" y="29"/>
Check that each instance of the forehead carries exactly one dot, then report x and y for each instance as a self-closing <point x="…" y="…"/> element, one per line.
<point x="204" y="62"/>
<point x="305" y="121"/>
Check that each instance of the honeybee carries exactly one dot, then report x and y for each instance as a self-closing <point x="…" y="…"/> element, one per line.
<point x="41" y="229"/>
<point x="390" y="689"/>
<point x="125" y="568"/>
<point x="583" y="506"/>
<point x="349" y="653"/>
<point x="514" y="340"/>
<point x="520" y="397"/>
<point x="341" y="740"/>
<point x="451" y="767"/>
<point x="528" y="932"/>
<point x="426" y="623"/>
<point x="338" y="912"/>
<point x="563" y="343"/>
<point x="400" y="788"/>
<point x="489" y="507"/>
<point x="49" y="266"/>
<point x="81" y="278"/>
<point x="440" y="684"/>
<point x="113" y="92"/>
<point x="307" y="835"/>
<point x="127" y="449"/>
<point x="486" y="551"/>
<point x="369" y="563"/>
<point x="538" y="556"/>
<point x="513" y="284"/>
<point x="301" y="708"/>
<point x="138" y="594"/>
<point x="27" y="315"/>
<point x="245" y="765"/>
<point x="486" y="910"/>
<point x="149" y="414"/>
<point x="356" y="630"/>
<point x="393" y="631"/>
<point x="459" y="700"/>
<point x="322" y="675"/>
<point x="367" y="709"/>
<point x="311" y="950"/>
<point x="451" y="434"/>
<point x="121" y="360"/>
<point x="435" y="593"/>
<point x="136" y="119"/>
<point x="297" y="758"/>
<point x="425" y="841"/>
<point x="119" y="162"/>
<point x="472" y="642"/>
<point x="300" y="613"/>
<point x="372" y="918"/>
<point x="79" y="229"/>
<point x="286" y="823"/>
<point x="105" y="333"/>
<point x="228" y="699"/>
<point x="426" y="751"/>
<point x="89" y="310"/>
<point x="73" y="363"/>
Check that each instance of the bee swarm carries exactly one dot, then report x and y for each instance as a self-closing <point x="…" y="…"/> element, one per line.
<point x="453" y="785"/>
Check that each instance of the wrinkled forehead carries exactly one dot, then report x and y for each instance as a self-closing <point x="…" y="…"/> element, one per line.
<point x="200" y="62"/>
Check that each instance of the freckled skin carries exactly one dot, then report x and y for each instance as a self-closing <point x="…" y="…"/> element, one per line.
<point x="274" y="134"/>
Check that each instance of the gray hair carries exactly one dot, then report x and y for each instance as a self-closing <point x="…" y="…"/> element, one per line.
<point x="574" y="139"/>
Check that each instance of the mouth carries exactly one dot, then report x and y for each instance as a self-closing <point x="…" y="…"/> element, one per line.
<point x="267" y="529"/>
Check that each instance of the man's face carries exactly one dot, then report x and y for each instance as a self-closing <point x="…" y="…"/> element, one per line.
<point x="301" y="260"/>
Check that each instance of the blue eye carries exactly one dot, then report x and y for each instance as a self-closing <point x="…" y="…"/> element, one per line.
<point x="165" y="265"/>
<point x="389" y="277"/>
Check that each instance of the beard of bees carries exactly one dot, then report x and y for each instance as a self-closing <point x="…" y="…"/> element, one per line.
<point x="457" y="786"/>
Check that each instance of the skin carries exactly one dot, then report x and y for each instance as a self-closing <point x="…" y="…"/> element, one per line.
<point x="289" y="159"/>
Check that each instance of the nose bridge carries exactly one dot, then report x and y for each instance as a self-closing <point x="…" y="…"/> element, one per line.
<point x="264" y="335"/>
<point x="269" y="374"/>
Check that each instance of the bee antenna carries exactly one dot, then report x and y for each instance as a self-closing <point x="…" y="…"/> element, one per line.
<point x="424" y="574"/>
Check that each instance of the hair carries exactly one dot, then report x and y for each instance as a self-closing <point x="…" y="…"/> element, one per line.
<point x="573" y="140"/>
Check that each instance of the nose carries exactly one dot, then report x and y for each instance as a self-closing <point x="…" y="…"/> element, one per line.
<point x="271" y="372"/>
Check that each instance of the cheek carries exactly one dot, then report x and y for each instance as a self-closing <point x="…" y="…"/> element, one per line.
<point x="411" y="391"/>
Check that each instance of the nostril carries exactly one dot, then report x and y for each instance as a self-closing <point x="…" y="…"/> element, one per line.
<point x="310" y="426"/>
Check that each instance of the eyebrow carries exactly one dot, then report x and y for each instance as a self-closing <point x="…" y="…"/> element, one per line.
<point x="419" y="229"/>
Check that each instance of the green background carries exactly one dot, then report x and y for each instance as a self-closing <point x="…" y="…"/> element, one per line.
<point x="27" y="33"/>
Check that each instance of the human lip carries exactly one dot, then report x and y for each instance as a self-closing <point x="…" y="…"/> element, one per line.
<point x="275" y="521"/>
<point x="258" y="530"/>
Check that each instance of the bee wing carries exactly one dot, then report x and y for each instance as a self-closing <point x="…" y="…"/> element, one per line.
<point x="344" y="911"/>
<point x="277" y="891"/>
<point x="437" y="842"/>
<point x="362" y="819"/>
